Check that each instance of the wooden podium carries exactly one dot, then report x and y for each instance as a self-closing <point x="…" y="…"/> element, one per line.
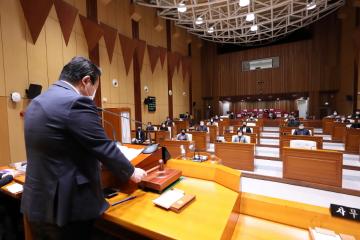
<point x="201" y="140"/>
<point x="352" y="140"/>
<point x="236" y="155"/>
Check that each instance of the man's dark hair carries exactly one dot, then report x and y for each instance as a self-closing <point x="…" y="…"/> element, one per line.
<point x="78" y="68"/>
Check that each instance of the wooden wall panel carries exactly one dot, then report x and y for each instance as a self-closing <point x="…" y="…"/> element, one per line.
<point x="311" y="65"/>
<point x="4" y="133"/>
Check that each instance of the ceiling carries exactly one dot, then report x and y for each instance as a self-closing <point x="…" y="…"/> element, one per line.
<point x="254" y="22"/>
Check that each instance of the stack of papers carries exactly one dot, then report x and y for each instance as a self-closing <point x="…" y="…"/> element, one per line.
<point x="323" y="234"/>
<point x="130" y="153"/>
<point x="168" y="198"/>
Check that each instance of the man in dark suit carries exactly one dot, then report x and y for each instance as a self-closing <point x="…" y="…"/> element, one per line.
<point x="301" y="130"/>
<point x="139" y="136"/>
<point x="64" y="144"/>
<point x="202" y="127"/>
<point x="244" y="128"/>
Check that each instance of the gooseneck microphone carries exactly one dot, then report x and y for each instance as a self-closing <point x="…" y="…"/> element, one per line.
<point x="151" y="147"/>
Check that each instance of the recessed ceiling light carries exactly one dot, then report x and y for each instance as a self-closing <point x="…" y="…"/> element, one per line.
<point x="250" y="17"/>
<point x="181" y="7"/>
<point x="199" y="20"/>
<point x="244" y="3"/>
<point x="254" y="28"/>
<point x="311" y="6"/>
<point x="210" y="30"/>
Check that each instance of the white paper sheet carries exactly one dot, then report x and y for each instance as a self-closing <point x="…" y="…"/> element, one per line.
<point x="15" y="188"/>
<point x="130" y="153"/>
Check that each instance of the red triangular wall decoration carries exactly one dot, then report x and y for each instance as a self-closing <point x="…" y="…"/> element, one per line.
<point x="128" y="47"/>
<point x="67" y="15"/>
<point x="92" y="31"/>
<point x="154" y="55"/>
<point x="140" y="51"/>
<point x="162" y="54"/>
<point x="36" y="12"/>
<point x="178" y="61"/>
<point x="110" y="34"/>
<point x="173" y="60"/>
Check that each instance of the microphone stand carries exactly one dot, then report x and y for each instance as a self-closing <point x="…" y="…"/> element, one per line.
<point x="133" y="120"/>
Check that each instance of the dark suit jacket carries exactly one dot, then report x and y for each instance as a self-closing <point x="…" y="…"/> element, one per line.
<point x="64" y="141"/>
<point x="301" y="132"/>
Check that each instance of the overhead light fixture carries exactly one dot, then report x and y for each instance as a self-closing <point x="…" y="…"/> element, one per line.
<point x="181" y="7"/>
<point x="254" y="28"/>
<point x="250" y="17"/>
<point x="199" y="20"/>
<point x="210" y="30"/>
<point x="244" y="3"/>
<point x="311" y="5"/>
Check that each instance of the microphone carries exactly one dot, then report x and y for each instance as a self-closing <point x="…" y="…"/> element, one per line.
<point x="151" y="147"/>
<point x="112" y="129"/>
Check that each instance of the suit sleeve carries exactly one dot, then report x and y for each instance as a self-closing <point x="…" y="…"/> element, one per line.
<point x="84" y="124"/>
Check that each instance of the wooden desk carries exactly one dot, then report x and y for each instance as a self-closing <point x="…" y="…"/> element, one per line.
<point x="352" y="140"/>
<point x="173" y="146"/>
<point x="273" y="122"/>
<point x="213" y="131"/>
<point x="222" y="125"/>
<point x="287" y="130"/>
<point x="180" y="124"/>
<point x="208" y="217"/>
<point x="201" y="140"/>
<point x="314" y="166"/>
<point x="338" y="131"/>
<point x="327" y="125"/>
<point x="285" y="141"/>
<point x="236" y="155"/>
<point x="312" y="123"/>
<point x="253" y="137"/>
<point x="161" y="135"/>
<point x="249" y="228"/>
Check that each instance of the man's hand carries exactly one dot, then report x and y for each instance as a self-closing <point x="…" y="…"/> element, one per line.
<point x="138" y="175"/>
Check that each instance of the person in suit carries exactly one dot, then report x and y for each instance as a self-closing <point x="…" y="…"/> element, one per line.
<point x="182" y="136"/>
<point x="163" y="127"/>
<point x="244" y="128"/>
<point x="149" y="127"/>
<point x="301" y="130"/>
<point x="293" y="122"/>
<point x="65" y="141"/>
<point x="139" y="136"/>
<point x="169" y="122"/>
<point x="240" y="138"/>
<point x="202" y="127"/>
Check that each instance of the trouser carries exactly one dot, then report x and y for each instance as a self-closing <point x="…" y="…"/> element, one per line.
<point x="73" y="230"/>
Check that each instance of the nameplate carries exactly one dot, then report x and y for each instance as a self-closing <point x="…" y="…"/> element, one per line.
<point x="345" y="212"/>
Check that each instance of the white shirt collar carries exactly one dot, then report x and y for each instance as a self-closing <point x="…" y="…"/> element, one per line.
<point x="75" y="89"/>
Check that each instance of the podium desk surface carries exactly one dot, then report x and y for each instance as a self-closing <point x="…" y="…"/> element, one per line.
<point x="205" y="218"/>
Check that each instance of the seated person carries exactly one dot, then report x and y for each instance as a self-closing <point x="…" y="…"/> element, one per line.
<point x="216" y="118"/>
<point x="202" y="127"/>
<point x="139" y="136"/>
<point x="240" y="138"/>
<point x="149" y="127"/>
<point x="244" y="128"/>
<point x="301" y="130"/>
<point x="163" y="127"/>
<point x="232" y="115"/>
<point x="169" y="122"/>
<point x="293" y="122"/>
<point x="182" y="136"/>
<point x="355" y="125"/>
<point x="212" y="122"/>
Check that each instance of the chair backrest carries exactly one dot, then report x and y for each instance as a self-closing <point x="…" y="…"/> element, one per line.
<point x="252" y="130"/>
<point x="248" y="139"/>
<point x="306" y="144"/>
<point x="233" y="137"/>
<point x="310" y="132"/>
<point x="155" y="128"/>
<point x="251" y="124"/>
<point x="189" y="135"/>
<point x="220" y="138"/>
<point x="292" y="131"/>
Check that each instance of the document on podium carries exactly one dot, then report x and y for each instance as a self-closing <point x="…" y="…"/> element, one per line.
<point x="168" y="198"/>
<point x="130" y="153"/>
